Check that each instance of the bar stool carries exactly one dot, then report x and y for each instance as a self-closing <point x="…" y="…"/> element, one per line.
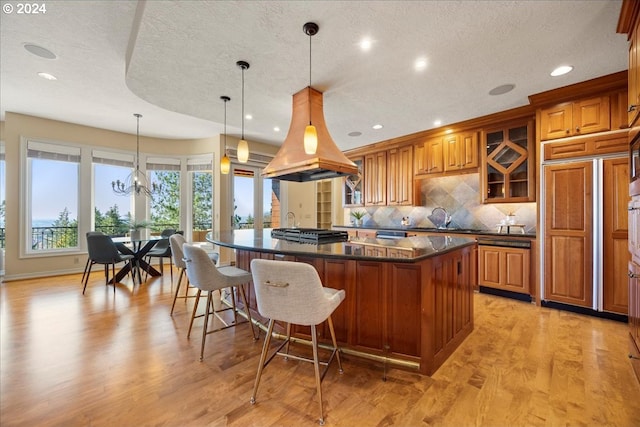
<point x="175" y="242"/>
<point x="292" y="292"/>
<point x="204" y="275"/>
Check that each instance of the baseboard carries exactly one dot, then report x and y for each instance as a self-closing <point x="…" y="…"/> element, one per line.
<point x="583" y="310"/>
<point x="506" y="294"/>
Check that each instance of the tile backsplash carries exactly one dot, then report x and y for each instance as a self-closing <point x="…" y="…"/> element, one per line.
<point x="459" y="195"/>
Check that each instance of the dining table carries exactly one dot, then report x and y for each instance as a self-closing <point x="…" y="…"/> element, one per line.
<point x="139" y="249"/>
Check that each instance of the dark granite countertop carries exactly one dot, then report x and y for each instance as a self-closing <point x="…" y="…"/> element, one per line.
<point x="469" y="231"/>
<point x="411" y="248"/>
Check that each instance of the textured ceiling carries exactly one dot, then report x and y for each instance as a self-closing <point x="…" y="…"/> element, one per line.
<point x="172" y="60"/>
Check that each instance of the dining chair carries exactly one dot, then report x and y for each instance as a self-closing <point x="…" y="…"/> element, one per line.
<point x="292" y="292"/>
<point x="102" y="250"/>
<point x="86" y="265"/>
<point x="204" y="275"/>
<point x="162" y="250"/>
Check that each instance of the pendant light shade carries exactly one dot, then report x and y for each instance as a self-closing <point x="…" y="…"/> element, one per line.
<point x="310" y="132"/>
<point x="310" y="139"/>
<point x="243" y="145"/>
<point x="243" y="151"/>
<point x="225" y="163"/>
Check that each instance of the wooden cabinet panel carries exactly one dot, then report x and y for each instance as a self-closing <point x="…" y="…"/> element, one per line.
<point x="556" y="122"/>
<point x="504" y="268"/>
<point x="596" y="145"/>
<point x="633" y="94"/>
<point x="434" y="152"/>
<point x="400" y="174"/>
<point x="339" y="274"/>
<point x="615" y="235"/>
<point x="591" y="115"/>
<point x="369" y="309"/>
<point x="460" y="151"/>
<point x="403" y="324"/>
<point x="375" y="179"/>
<point x="575" y="118"/>
<point x="568" y="233"/>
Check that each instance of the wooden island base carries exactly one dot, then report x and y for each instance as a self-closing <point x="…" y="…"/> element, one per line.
<point x="409" y="314"/>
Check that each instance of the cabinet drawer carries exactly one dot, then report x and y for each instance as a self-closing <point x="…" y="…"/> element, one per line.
<point x="604" y="144"/>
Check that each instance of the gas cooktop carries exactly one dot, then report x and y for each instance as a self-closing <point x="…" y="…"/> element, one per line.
<point x="309" y="235"/>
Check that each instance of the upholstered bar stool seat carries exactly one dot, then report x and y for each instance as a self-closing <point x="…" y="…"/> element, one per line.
<point x="204" y="275"/>
<point x="292" y="292"/>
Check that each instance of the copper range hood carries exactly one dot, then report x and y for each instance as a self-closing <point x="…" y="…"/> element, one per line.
<point x="291" y="163"/>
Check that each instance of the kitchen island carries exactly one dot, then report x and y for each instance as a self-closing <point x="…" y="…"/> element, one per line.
<point x="409" y="301"/>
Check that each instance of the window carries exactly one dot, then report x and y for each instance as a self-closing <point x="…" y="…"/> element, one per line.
<point x="112" y="212"/>
<point x="52" y="196"/>
<point x="200" y="172"/>
<point x="165" y="203"/>
<point x="3" y="201"/>
<point x="255" y="200"/>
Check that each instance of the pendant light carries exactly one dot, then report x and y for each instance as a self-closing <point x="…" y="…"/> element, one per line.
<point x="225" y="163"/>
<point x="136" y="182"/>
<point x="310" y="133"/>
<point x="243" y="145"/>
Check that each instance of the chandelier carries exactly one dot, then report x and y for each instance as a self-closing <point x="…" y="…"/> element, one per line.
<point x="136" y="182"/>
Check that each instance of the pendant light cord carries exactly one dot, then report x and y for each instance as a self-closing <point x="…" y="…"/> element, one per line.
<point x="137" y="141"/>
<point x="242" y="102"/>
<point x="309" y="79"/>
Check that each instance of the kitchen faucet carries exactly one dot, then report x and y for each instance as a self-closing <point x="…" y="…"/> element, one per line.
<point x="291" y="215"/>
<point x="444" y="222"/>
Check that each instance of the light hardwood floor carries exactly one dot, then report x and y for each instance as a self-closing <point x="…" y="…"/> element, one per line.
<point x="69" y="359"/>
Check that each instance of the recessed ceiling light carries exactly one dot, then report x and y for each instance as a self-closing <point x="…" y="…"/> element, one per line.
<point x="437" y="122"/>
<point x="499" y="90"/>
<point x="276" y="129"/>
<point x="561" y="70"/>
<point x="47" y="76"/>
<point x="376" y="127"/>
<point x="365" y="44"/>
<point x="420" y="64"/>
<point x="248" y="117"/>
<point x="354" y="133"/>
<point x="40" y="51"/>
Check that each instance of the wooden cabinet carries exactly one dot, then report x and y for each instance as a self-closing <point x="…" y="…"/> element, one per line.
<point x="504" y="268"/>
<point x="428" y="157"/>
<point x="461" y="151"/>
<point x="400" y="176"/>
<point x="575" y="118"/>
<point x="569" y="236"/>
<point x="352" y="187"/>
<point x="452" y="153"/>
<point x="388" y="177"/>
<point x="584" y="147"/>
<point x="508" y="164"/>
<point x="568" y="233"/>
<point x="414" y="314"/>
<point x="615" y="232"/>
<point x="375" y="179"/>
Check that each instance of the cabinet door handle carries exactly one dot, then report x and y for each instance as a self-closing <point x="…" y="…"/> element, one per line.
<point x="633" y="275"/>
<point x="577" y="129"/>
<point x="568" y="131"/>
<point x="631" y="108"/>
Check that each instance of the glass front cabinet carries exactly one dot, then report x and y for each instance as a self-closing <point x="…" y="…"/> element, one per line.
<point x="508" y="163"/>
<point x="352" y="188"/>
